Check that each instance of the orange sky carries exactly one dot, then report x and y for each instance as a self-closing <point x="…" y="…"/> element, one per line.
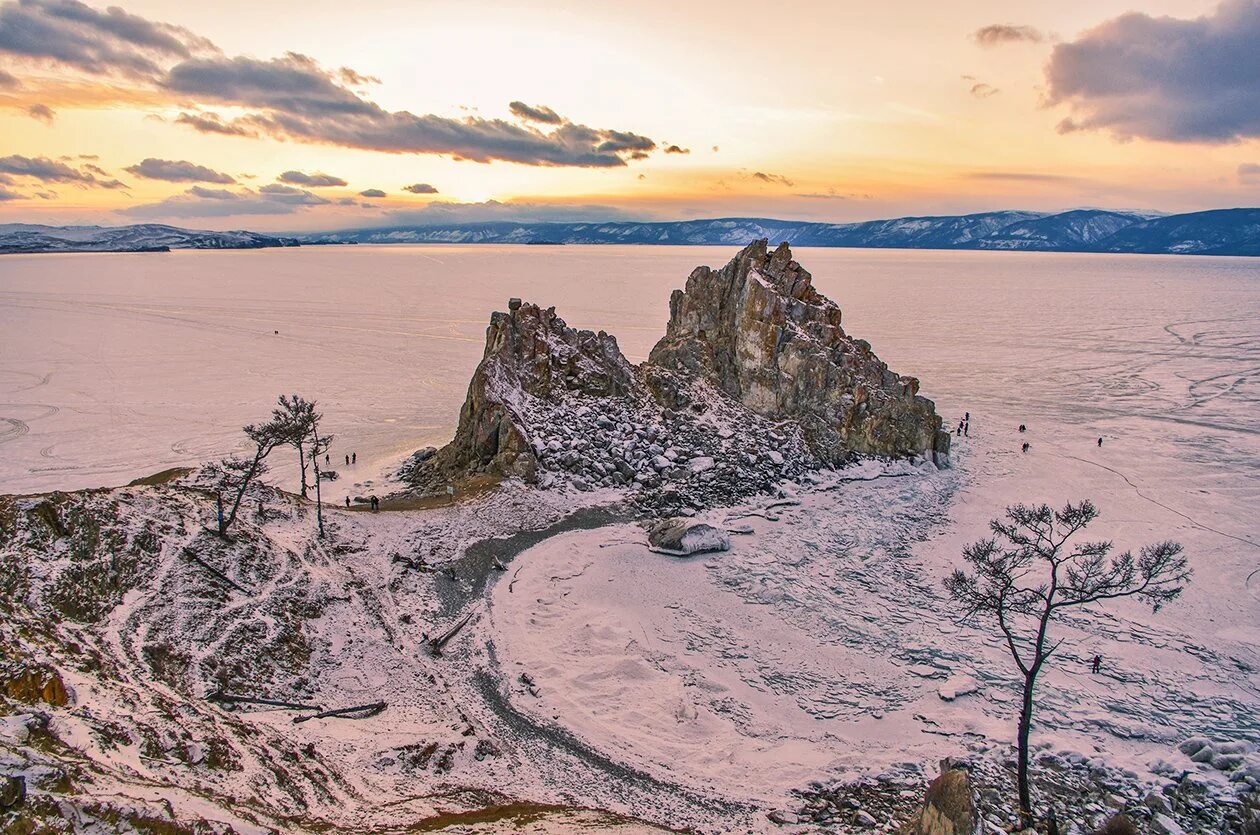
<point x="823" y="110"/>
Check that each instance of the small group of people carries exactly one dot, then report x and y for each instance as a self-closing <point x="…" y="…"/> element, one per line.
<point x="964" y="425"/>
<point x="1028" y="446"/>
<point x="351" y="458"/>
<point x="373" y="502"/>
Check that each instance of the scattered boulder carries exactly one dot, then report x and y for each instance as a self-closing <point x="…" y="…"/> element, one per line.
<point x="682" y="537"/>
<point x="949" y="807"/>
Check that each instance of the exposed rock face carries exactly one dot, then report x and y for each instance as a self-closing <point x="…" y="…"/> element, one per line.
<point x="531" y="354"/>
<point x="755" y="382"/>
<point x="760" y="332"/>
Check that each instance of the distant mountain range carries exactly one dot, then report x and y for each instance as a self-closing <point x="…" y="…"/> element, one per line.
<point x="141" y="237"/>
<point x="1217" y="232"/>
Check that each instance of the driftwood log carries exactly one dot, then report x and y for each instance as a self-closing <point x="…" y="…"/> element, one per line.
<point x="362" y="711"/>
<point x="216" y="573"/>
<point x="229" y="699"/>
<point x="436" y="644"/>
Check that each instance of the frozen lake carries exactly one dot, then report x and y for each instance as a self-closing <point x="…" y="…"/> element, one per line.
<point x="116" y="366"/>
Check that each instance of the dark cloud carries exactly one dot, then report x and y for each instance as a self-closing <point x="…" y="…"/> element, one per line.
<point x="178" y="171"/>
<point x="420" y="188"/>
<point x="1000" y="33"/>
<point x="290" y="195"/>
<point x="212" y="123"/>
<point x="72" y="34"/>
<point x="6" y="194"/>
<point x="983" y="91"/>
<point x="8" y="81"/>
<point x="372" y="192"/>
<point x="298" y="178"/>
<point x="674" y="149"/>
<point x="542" y="114"/>
<point x="42" y="112"/>
<point x="772" y="179"/>
<point x="1164" y="78"/>
<point x="213" y="202"/>
<point x="212" y="193"/>
<point x="1249" y="172"/>
<point x="291" y="97"/>
<point x="47" y="170"/>
<point x="297" y="99"/>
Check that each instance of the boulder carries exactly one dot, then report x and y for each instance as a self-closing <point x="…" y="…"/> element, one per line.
<point x="949" y="807"/>
<point x="681" y="536"/>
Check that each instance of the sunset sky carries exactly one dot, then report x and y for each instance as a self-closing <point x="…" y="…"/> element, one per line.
<point x="321" y="114"/>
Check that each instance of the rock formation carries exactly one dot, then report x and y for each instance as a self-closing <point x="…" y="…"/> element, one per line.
<point x="949" y="807"/>
<point x="754" y="382"/>
<point x="762" y="334"/>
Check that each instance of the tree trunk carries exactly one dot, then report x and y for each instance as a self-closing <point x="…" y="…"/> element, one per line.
<point x="240" y="493"/>
<point x="1025" y="727"/>
<point x="302" y="461"/>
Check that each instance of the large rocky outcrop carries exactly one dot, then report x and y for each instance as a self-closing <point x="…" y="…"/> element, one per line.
<point x="760" y="332"/>
<point x="753" y="383"/>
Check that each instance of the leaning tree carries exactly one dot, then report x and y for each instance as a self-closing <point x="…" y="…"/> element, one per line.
<point x="1025" y="575"/>
<point x="298" y="416"/>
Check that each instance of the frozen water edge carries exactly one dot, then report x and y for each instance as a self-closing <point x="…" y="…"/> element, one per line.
<point x="818" y="646"/>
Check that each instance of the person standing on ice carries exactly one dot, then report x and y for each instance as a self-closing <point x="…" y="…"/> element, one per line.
<point x="347" y="460"/>
<point x="354" y="458"/>
<point x="1097" y="665"/>
<point x="347" y="501"/>
<point x="1100" y="441"/>
<point x="1026" y="446"/>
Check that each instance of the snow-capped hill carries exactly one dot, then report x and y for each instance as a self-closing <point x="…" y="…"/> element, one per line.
<point x="1080" y="230"/>
<point x="1217" y="232"/>
<point x="141" y="237"/>
<point x="1075" y="230"/>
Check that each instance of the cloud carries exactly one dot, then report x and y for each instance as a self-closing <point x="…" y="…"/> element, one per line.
<point x="291" y="97"/>
<point x="71" y="34"/>
<point x="199" y="201"/>
<point x="292" y="196"/>
<point x="983" y="91"/>
<point x="46" y="170"/>
<point x="372" y="192"/>
<point x="1002" y="33"/>
<point x="212" y="123"/>
<point x="772" y="179"/>
<point x="1163" y="78"/>
<point x="1249" y="172"/>
<point x="317" y="180"/>
<point x="178" y="171"/>
<point x="420" y="188"/>
<point x="438" y="213"/>
<point x="674" y="149"/>
<point x="1023" y="177"/>
<point x="9" y="81"/>
<point x="42" y="112"/>
<point x="6" y="195"/>
<point x="542" y="114"/>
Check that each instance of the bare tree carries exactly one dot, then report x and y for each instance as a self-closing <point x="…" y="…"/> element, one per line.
<point x="1025" y="575"/>
<point x="298" y="415"/>
<point x="239" y="473"/>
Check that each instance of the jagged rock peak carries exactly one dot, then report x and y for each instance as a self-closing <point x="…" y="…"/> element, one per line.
<point x="531" y="355"/>
<point x="759" y="331"/>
